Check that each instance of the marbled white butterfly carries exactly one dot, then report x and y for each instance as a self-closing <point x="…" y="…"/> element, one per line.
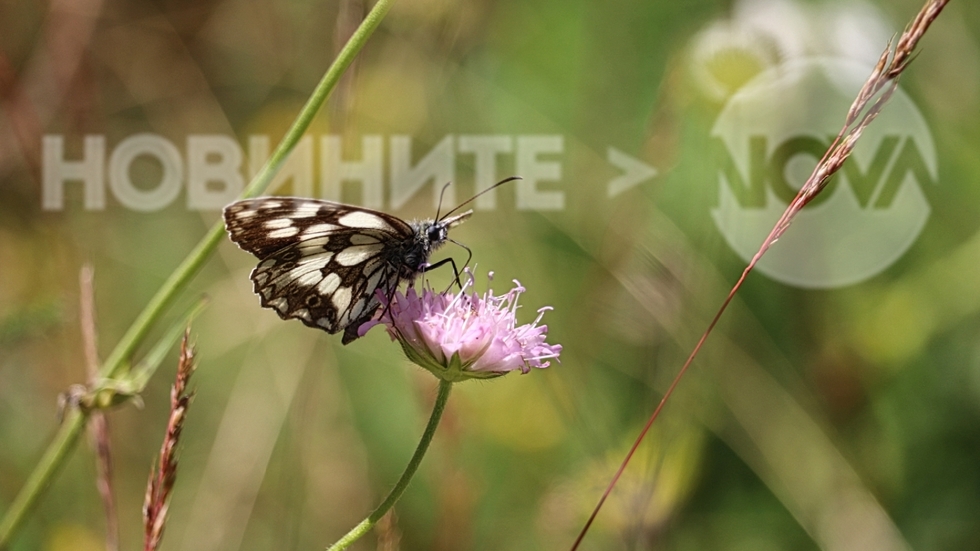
<point x="322" y="262"/>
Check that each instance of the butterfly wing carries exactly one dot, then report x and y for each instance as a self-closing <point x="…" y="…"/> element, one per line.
<point x="320" y="262"/>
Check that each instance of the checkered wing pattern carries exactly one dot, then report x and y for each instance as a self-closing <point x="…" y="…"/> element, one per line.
<point x="322" y="262"/>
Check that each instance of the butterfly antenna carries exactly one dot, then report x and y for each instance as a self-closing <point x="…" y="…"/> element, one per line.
<point x="471" y="199"/>
<point x="441" y="194"/>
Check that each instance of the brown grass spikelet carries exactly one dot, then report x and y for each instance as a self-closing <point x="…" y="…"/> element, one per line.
<point x="164" y="475"/>
<point x="874" y="94"/>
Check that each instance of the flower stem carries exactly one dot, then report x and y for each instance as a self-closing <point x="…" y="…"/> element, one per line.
<point x="430" y="429"/>
<point x="120" y="357"/>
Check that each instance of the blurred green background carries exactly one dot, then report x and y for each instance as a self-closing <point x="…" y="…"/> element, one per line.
<point x="844" y="418"/>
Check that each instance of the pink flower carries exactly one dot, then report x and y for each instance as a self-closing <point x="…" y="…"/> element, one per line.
<point x="461" y="336"/>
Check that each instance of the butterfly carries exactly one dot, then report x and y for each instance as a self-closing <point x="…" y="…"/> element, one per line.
<point x="323" y="262"/>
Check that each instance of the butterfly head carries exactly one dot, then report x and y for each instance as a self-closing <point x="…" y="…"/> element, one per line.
<point x="437" y="231"/>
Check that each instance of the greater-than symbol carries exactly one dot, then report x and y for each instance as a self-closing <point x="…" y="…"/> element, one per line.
<point x="635" y="172"/>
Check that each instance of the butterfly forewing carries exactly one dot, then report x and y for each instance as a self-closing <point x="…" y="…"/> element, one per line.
<point x="322" y="262"/>
<point x="266" y="225"/>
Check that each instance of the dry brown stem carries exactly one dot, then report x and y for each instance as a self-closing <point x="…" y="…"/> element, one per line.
<point x="98" y="424"/>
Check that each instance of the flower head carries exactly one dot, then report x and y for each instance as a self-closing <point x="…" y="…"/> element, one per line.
<point x="465" y="335"/>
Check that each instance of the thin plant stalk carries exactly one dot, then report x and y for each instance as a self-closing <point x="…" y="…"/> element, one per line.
<point x="870" y="101"/>
<point x="67" y="435"/>
<point x="98" y="424"/>
<point x="430" y="429"/>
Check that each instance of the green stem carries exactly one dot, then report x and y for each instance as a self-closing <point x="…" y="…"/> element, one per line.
<point x="68" y="433"/>
<point x="53" y="457"/>
<point x="430" y="429"/>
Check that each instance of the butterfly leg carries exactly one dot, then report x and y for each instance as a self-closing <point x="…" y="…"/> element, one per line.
<point x="444" y="261"/>
<point x="372" y="309"/>
<point x="469" y="252"/>
<point x="469" y="256"/>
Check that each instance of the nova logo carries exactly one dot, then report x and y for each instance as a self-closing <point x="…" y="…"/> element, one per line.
<point x="767" y="140"/>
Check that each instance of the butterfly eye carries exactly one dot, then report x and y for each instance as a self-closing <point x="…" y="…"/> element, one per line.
<point x="437" y="233"/>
